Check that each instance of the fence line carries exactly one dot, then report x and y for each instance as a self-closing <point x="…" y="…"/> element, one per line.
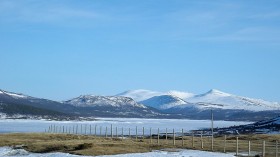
<point x="223" y="143"/>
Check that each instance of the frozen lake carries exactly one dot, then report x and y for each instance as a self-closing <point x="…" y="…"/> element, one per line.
<point x="118" y="124"/>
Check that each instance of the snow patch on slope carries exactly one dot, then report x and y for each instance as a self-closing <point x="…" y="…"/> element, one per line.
<point x="164" y="102"/>
<point x="14" y="95"/>
<point x="181" y="95"/>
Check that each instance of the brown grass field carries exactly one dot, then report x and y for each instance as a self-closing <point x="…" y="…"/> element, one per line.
<point x="90" y="145"/>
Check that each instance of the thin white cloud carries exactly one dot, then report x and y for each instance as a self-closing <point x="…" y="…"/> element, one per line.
<point x="253" y="34"/>
<point x="267" y="15"/>
<point x="34" y="11"/>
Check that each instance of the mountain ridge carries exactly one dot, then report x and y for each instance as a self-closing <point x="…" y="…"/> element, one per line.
<point x="159" y="105"/>
<point x="214" y="99"/>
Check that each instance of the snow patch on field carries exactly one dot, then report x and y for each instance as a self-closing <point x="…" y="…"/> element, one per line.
<point x="9" y="152"/>
<point x="178" y="153"/>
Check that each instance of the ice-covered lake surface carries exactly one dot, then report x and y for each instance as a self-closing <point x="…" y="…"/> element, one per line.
<point x="118" y="124"/>
<point x="9" y="152"/>
<point x="83" y="127"/>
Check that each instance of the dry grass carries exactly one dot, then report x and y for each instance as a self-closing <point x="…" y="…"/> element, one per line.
<point x="90" y="145"/>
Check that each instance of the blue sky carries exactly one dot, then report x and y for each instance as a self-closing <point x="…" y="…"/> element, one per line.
<point x="61" y="49"/>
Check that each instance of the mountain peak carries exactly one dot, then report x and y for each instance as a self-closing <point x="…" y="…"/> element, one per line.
<point x="216" y="92"/>
<point x="140" y="94"/>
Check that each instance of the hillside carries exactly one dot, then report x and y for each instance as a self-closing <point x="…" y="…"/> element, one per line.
<point x="87" y="106"/>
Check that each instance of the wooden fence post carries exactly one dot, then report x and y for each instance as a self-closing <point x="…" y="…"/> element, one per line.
<point x="276" y="148"/>
<point x="95" y="130"/>
<point x="182" y="137"/>
<point x="112" y="131"/>
<point x="212" y="142"/>
<point x="173" y="137"/>
<point x="249" y="148"/>
<point x="166" y="135"/>
<point x="158" y="136"/>
<point x="201" y="140"/>
<point x="106" y="132"/>
<point x="225" y="143"/>
<point x="77" y="126"/>
<point x="117" y="135"/>
<point x="236" y="146"/>
<point x="100" y="133"/>
<point x="143" y="133"/>
<point x="263" y="150"/>
<point x="136" y="132"/>
<point x="122" y="133"/>
<point x="150" y="135"/>
<point x="73" y="129"/>
<point x="90" y="129"/>
<point x="193" y="140"/>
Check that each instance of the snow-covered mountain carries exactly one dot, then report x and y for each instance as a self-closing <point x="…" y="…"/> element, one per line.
<point x="213" y="99"/>
<point x="15" y="104"/>
<point x="93" y="100"/>
<point x="220" y="100"/>
<point x="152" y="104"/>
<point x="164" y="102"/>
<point x="142" y="94"/>
<point x="113" y="106"/>
<point x="86" y="106"/>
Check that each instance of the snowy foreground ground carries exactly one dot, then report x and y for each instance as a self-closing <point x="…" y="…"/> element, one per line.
<point x="9" y="152"/>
